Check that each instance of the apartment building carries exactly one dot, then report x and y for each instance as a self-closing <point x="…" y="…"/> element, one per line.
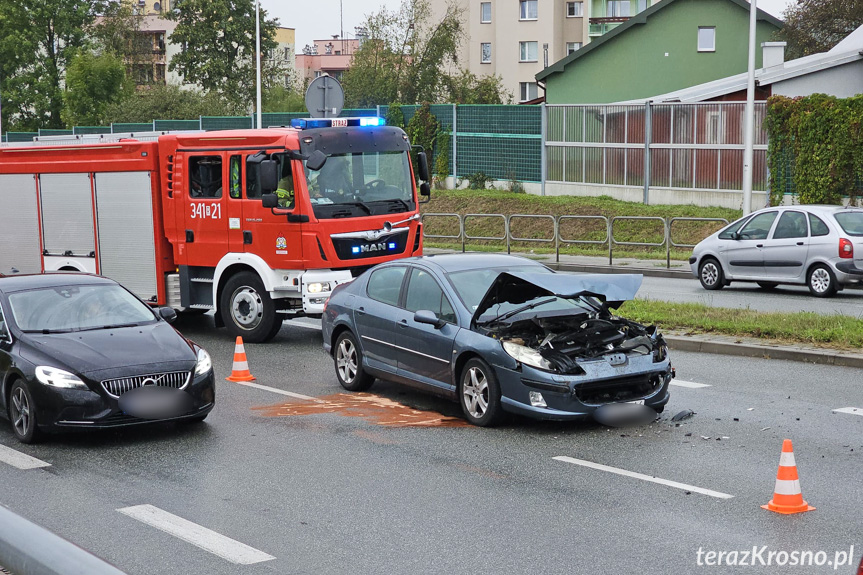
<point x="331" y="57"/>
<point x="516" y="39"/>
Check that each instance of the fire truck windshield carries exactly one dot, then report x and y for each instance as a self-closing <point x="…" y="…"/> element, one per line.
<point x="361" y="184"/>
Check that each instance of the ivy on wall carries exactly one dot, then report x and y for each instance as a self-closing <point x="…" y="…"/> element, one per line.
<point x="815" y="148"/>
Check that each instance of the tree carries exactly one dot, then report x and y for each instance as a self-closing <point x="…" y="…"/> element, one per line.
<point x="282" y="99"/>
<point x="93" y="83"/>
<point x="166" y="103"/>
<point x="813" y="26"/>
<point x="37" y="38"/>
<point x="218" y="39"/>
<point x="410" y="57"/>
<point x="468" y="88"/>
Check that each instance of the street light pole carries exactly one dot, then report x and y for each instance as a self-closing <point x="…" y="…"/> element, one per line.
<point x="258" y="58"/>
<point x="750" y="112"/>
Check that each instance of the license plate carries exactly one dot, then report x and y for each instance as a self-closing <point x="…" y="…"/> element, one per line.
<point x="636" y="402"/>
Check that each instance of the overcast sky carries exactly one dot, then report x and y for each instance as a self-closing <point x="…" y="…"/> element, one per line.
<point x="319" y="19"/>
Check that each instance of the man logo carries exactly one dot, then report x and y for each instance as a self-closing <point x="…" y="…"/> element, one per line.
<point x="378" y="247"/>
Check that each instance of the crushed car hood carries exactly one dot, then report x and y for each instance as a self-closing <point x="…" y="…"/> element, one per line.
<point x="520" y="287"/>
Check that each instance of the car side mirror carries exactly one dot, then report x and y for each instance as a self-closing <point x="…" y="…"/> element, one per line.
<point x="425" y="192"/>
<point x="735" y="235"/>
<point x="168" y="314"/>
<point x="270" y="200"/>
<point x="429" y="317"/>
<point x="269" y="175"/>
<point x="316" y="161"/>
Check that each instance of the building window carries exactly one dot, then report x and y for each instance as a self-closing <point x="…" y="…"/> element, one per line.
<point x="641" y="6"/>
<point x="527" y="91"/>
<point x="485" y="51"/>
<point x="527" y="51"/>
<point x="617" y="9"/>
<point x="572" y="47"/>
<point x="527" y="10"/>
<point x="574" y="9"/>
<point x="707" y="39"/>
<point x="485" y="12"/>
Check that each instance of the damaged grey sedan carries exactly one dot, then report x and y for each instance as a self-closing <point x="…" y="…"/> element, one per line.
<point x="497" y="333"/>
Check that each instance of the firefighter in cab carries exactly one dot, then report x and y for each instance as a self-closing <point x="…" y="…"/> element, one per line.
<point x="285" y="190"/>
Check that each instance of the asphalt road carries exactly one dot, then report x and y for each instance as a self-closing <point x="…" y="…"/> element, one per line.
<point x="339" y="492"/>
<point x="749" y="295"/>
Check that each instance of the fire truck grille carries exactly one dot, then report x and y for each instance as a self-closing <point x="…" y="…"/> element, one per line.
<point x="119" y="386"/>
<point x="354" y="249"/>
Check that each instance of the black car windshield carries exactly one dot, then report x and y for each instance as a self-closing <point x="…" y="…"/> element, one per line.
<point x="851" y="222"/>
<point x="361" y="184"/>
<point x="77" y="308"/>
<point x="471" y="285"/>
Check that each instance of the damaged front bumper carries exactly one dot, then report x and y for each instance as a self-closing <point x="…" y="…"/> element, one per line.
<point x="578" y="396"/>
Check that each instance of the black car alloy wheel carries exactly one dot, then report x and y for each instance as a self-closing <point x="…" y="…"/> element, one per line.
<point x="22" y="413"/>
<point x="480" y="393"/>
<point x="349" y="364"/>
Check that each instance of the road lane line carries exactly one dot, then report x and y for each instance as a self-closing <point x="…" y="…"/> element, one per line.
<point x="690" y="384"/>
<point x="206" y="539"/>
<point x="305" y="325"/>
<point x="279" y="391"/>
<point x="20" y="460"/>
<point x="850" y="410"/>
<point x="643" y="477"/>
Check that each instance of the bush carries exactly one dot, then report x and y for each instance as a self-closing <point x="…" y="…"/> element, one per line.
<point x="478" y="181"/>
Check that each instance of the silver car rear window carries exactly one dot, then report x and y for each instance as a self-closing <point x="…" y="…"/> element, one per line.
<point x="851" y="222"/>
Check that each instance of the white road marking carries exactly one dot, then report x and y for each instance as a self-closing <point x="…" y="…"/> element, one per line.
<point x="279" y="391"/>
<point x="690" y="384"/>
<point x="643" y="477"/>
<point x="20" y="460"/>
<point x="206" y="539"/>
<point x="305" y="325"/>
<point x="850" y="410"/>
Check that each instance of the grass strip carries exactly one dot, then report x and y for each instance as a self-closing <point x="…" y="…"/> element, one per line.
<point x="831" y="331"/>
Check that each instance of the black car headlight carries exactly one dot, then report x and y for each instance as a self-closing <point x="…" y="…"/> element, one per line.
<point x="204" y="364"/>
<point x="527" y="356"/>
<point x="59" y="378"/>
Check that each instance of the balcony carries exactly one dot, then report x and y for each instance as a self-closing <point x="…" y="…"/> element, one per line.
<point x="600" y="26"/>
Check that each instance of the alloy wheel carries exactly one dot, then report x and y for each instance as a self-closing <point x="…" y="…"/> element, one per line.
<point x="709" y="273"/>
<point x="20" y="411"/>
<point x="820" y="280"/>
<point x="475" y="392"/>
<point x="346" y="360"/>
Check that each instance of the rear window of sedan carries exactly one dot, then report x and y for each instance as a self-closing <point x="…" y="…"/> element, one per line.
<point x="77" y="308"/>
<point x="851" y="222"/>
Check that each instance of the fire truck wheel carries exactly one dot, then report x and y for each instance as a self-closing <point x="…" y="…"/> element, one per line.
<point x="248" y="310"/>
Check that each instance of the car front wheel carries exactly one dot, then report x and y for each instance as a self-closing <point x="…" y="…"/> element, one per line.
<point x="710" y="274"/>
<point x="348" y="360"/>
<point x="480" y="394"/>
<point x="22" y="413"/>
<point x="822" y="282"/>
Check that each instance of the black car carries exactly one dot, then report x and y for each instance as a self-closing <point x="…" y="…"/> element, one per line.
<point x="80" y="351"/>
<point x="498" y="333"/>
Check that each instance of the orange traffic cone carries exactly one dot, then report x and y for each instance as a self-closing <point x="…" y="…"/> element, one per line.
<point x="787" y="497"/>
<point x="240" y="370"/>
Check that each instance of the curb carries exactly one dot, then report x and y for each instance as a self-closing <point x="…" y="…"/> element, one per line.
<point x="600" y="269"/>
<point x="827" y="357"/>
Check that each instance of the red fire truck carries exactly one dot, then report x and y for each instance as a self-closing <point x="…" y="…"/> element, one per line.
<point x="257" y="225"/>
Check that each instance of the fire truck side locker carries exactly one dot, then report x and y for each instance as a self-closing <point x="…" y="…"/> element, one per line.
<point x="19" y="231"/>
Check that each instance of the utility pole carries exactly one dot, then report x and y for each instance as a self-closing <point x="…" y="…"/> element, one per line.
<point x="750" y="112"/>
<point x="258" y="59"/>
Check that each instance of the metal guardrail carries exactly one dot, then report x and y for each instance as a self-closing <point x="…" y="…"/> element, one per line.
<point x="558" y="239"/>
<point x="28" y="549"/>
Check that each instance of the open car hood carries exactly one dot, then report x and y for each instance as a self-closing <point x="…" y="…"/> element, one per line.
<point x="520" y="287"/>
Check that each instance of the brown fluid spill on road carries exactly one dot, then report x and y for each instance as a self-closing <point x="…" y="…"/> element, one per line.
<point x="373" y="408"/>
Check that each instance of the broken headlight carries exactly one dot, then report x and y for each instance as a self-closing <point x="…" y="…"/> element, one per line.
<point x="660" y="352"/>
<point x="526" y="355"/>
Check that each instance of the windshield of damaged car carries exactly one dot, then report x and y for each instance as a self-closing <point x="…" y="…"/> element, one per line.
<point x="77" y="308"/>
<point x="472" y="285"/>
<point x="361" y="184"/>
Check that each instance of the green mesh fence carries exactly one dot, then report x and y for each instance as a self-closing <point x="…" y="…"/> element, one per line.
<point x="280" y="119"/>
<point x="21" y="136"/>
<point x="84" y="130"/>
<point x="503" y="142"/>
<point x="123" y="128"/>
<point x="226" y="122"/>
<point x="54" y="132"/>
<point x="167" y="125"/>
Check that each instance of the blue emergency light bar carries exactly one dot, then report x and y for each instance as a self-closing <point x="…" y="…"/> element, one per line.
<point x="309" y="123"/>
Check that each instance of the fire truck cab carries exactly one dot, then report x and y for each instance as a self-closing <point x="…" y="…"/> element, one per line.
<point x="257" y="225"/>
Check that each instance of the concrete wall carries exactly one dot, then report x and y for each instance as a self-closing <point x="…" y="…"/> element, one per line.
<point x="842" y="81"/>
<point x="659" y="56"/>
<point x="726" y="199"/>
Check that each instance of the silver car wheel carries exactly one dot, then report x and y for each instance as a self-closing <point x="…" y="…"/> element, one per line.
<point x="709" y="273"/>
<point x="346" y="361"/>
<point x="247" y="308"/>
<point x="820" y="280"/>
<point x="475" y="392"/>
<point x="20" y="412"/>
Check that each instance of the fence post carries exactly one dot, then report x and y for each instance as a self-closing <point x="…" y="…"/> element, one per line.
<point x="648" y="132"/>
<point x="667" y="244"/>
<point x="506" y="232"/>
<point x="454" y="146"/>
<point x="610" y="238"/>
<point x="543" y="158"/>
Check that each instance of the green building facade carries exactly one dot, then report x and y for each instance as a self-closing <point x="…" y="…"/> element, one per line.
<point x="666" y="47"/>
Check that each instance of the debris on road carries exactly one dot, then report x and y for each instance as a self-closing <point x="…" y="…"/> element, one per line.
<point x="681" y="415"/>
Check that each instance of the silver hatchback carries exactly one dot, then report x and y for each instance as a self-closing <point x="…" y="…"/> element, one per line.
<point x="814" y="245"/>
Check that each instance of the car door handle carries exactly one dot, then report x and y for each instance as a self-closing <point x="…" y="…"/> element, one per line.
<point x="403" y="323"/>
<point x="361" y="311"/>
<point x="799" y="243"/>
<point x="759" y="245"/>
